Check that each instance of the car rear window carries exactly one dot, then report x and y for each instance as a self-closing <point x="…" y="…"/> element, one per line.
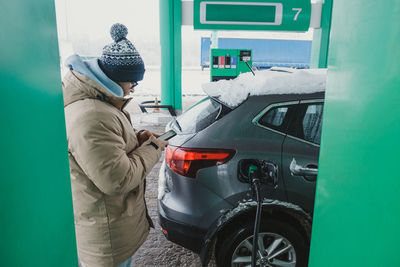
<point x="278" y="118"/>
<point x="274" y="117"/>
<point x="201" y="115"/>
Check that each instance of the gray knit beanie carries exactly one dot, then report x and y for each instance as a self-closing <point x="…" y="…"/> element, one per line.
<point x="120" y="60"/>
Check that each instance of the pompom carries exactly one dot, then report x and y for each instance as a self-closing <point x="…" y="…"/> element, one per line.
<point x="118" y="32"/>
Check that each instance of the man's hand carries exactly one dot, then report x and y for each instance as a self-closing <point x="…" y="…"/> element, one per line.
<point x="155" y="135"/>
<point x="143" y="136"/>
<point x="160" y="143"/>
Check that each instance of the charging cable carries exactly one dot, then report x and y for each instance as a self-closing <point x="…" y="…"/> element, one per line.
<point x="255" y="184"/>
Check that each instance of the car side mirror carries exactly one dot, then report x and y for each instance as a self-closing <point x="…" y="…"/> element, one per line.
<point x="265" y="171"/>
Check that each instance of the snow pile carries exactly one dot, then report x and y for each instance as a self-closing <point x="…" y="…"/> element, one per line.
<point x="162" y="182"/>
<point x="268" y="82"/>
<point x="248" y="204"/>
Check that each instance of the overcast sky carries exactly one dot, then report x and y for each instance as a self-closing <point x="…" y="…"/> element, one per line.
<point x="84" y="25"/>
<point x="93" y="18"/>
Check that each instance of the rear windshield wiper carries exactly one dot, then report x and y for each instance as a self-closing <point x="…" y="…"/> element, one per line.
<point x="177" y="123"/>
<point x="216" y="99"/>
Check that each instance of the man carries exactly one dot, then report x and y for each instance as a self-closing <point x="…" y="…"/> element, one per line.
<point x="108" y="159"/>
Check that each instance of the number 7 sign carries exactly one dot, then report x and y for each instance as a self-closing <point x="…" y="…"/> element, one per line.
<point x="297" y="13"/>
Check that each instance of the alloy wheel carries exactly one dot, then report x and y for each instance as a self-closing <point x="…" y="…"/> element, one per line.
<point x="274" y="250"/>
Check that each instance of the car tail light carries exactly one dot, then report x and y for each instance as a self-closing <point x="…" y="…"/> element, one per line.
<point x="164" y="231"/>
<point x="187" y="161"/>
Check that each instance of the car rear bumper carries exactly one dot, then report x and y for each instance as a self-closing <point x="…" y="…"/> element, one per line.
<point x="187" y="236"/>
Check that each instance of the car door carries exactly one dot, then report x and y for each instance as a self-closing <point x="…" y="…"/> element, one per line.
<point x="273" y="123"/>
<point x="300" y="154"/>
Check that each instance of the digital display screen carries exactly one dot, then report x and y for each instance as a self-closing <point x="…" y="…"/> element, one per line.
<point x="245" y="55"/>
<point x="247" y="13"/>
<point x="234" y="62"/>
<point x="227" y="60"/>
<point x="221" y="62"/>
<point x="215" y="62"/>
<point x="167" y="135"/>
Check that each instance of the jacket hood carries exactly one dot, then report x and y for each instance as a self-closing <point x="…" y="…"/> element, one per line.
<point x="86" y="80"/>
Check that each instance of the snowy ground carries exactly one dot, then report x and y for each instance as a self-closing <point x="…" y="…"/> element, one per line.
<point x="150" y="88"/>
<point x="157" y="250"/>
<point x="192" y="78"/>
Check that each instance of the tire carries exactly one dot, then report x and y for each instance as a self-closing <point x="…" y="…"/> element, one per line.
<point x="233" y="245"/>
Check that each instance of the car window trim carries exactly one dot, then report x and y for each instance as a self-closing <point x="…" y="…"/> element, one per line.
<point x="302" y="140"/>
<point x="311" y="101"/>
<point x="256" y="119"/>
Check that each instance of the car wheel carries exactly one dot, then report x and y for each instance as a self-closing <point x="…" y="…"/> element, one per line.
<point x="279" y="244"/>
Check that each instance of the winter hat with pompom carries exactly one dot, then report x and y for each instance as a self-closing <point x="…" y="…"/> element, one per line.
<point x="120" y="60"/>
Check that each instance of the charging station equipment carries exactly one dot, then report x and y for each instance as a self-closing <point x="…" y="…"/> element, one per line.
<point x="229" y="63"/>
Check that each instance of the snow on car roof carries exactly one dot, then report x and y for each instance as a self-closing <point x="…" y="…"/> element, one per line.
<point x="267" y="82"/>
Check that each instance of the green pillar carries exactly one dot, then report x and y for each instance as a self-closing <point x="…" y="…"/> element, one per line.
<point x="320" y="44"/>
<point x="171" y="53"/>
<point x="36" y="224"/>
<point x="357" y="209"/>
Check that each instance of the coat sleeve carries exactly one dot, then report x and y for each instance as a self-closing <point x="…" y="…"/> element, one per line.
<point x="99" y="149"/>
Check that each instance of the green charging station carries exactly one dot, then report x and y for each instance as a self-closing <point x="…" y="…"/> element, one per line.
<point x="229" y="63"/>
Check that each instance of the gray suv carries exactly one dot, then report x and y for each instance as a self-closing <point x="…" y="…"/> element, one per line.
<point x="205" y="206"/>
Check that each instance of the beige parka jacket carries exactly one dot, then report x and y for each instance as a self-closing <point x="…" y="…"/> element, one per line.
<point x="108" y="170"/>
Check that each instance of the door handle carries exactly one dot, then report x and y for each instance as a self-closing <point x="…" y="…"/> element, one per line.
<point x="302" y="171"/>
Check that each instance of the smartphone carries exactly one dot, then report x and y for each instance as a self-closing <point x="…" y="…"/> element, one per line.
<point x="167" y="135"/>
